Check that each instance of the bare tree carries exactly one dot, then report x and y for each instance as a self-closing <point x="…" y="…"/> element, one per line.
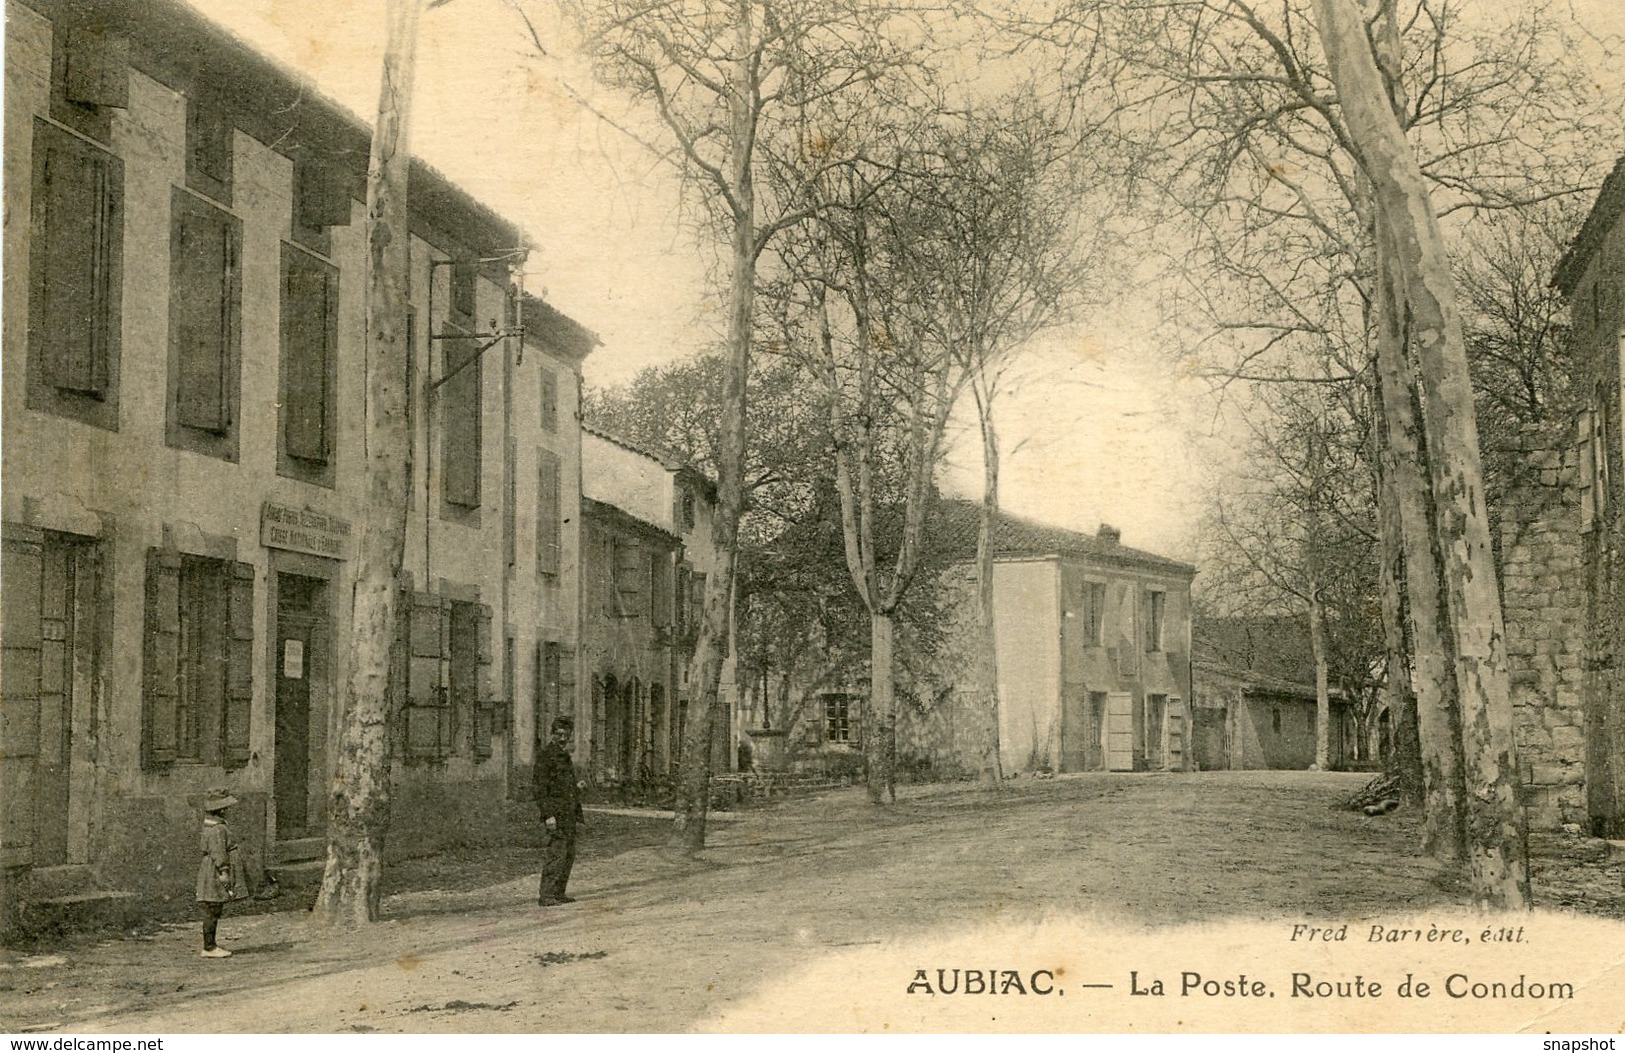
<point x="358" y="817"/>
<point x="720" y="76"/>
<point x="1409" y="238"/>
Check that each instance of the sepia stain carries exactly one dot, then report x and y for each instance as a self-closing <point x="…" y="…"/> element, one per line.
<point x="408" y="962"/>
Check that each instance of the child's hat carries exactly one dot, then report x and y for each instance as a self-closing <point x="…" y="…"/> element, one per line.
<point x="216" y="800"/>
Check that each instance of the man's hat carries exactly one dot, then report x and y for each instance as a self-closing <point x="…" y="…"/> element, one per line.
<point x="564" y="724"/>
<point x="218" y="800"/>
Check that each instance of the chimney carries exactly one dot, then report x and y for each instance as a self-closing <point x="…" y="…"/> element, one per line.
<point x="1109" y="533"/>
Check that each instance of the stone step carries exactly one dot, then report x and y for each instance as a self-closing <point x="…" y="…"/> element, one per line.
<point x="306" y="873"/>
<point x="80" y="911"/>
<point x="297" y="850"/>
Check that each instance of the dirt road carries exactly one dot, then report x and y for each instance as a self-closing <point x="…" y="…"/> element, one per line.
<point x="658" y="942"/>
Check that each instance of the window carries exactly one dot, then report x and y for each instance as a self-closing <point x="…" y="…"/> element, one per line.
<point x="448" y="652"/>
<point x="628" y="578"/>
<point x="696" y="600"/>
<point x="74" y="280"/>
<point x="209" y="144"/>
<point x="549" y="515"/>
<point x="199" y="660"/>
<point x="837" y="714"/>
<point x="1093" y="613"/>
<point x="688" y="509"/>
<point x="309" y="367"/>
<point x="681" y="591"/>
<point x="90" y="77"/>
<point x="461" y="395"/>
<point x="321" y="199"/>
<point x="462" y="291"/>
<point x="205" y="290"/>
<point x="1275" y="719"/>
<point x="411" y="337"/>
<point x="660" y="588"/>
<point x="1153" y="621"/>
<point x="550" y="401"/>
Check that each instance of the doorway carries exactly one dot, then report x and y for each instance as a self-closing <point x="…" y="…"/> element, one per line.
<point x="66" y="658"/>
<point x="301" y="620"/>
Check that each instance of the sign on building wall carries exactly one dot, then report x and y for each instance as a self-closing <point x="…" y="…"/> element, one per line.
<point x="301" y="530"/>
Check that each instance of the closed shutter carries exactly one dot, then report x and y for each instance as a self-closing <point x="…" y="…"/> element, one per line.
<point x="321" y="195"/>
<point x="72" y="316"/>
<point x="98" y="67"/>
<point x="428" y="713"/>
<point x="550" y="401"/>
<point x="549" y="522"/>
<point x="485" y="701"/>
<point x="309" y="332"/>
<point x="20" y="665"/>
<point x="161" y="709"/>
<point x="460" y="397"/>
<point x="630" y="570"/>
<point x="1119" y="731"/>
<point x="239" y="665"/>
<point x="202" y="312"/>
<point x="677" y="524"/>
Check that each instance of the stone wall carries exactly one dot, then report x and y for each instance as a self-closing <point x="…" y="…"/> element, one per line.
<point x="1543" y="593"/>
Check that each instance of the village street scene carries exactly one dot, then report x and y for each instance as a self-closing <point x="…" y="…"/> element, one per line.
<point x="575" y="515"/>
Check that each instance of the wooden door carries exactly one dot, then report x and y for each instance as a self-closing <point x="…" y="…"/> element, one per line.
<point x="59" y="684"/>
<point x="1120" y="731"/>
<point x="297" y="617"/>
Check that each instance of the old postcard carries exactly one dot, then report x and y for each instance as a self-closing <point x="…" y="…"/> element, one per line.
<point x="1094" y="516"/>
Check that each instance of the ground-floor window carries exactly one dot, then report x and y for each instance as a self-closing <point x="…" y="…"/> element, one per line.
<point x="837" y="718"/>
<point x="199" y="659"/>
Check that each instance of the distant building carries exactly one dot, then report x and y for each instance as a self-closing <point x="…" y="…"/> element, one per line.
<point x="1255" y="704"/>
<point x="1093" y="646"/>
<point x="184" y="359"/>
<point x="647" y="557"/>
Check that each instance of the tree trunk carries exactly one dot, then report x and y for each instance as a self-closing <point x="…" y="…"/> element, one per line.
<point x="1404" y="759"/>
<point x="1323" y="699"/>
<point x="1438" y="718"/>
<point x="1495" y="829"/>
<point x="988" y="667"/>
<point x="705" y="667"/>
<point x="1317" y="611"/>
<point x="358" y="817"/>
<point x="880" y="735"/>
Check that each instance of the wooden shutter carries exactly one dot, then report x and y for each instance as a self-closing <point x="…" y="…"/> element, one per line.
<point x="485" y="703"/>
<point x="1119" y="731"/>
<point x="1588" y="472"/>
<point x="321" y="196"/>
<point x="21" y="653"/>
<point x="202" y="312"/>
<point x="549" y="523"/>
<point x="309" y="332"/>
<point x="161" y="711"/>
<point x="428" y="714"/>
<point x="73" y="316"/>
<point x="660" y="588"/>
<point x="239" y="664"/>
<point x="550" y="401"/>
<point x="98" y="72"/>
<point x="630" y="569"/>
<point x="209" y="143"/>
<point x="461" y="423"/>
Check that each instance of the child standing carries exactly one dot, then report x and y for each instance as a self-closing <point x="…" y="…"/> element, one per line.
<point x="214" y="877"/>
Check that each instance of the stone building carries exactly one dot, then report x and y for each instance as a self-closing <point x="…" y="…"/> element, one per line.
<point x="1592" y="276"/>
<point x="183" y="364"/>
<point x="1093" y="646"/>
<point x="1254" y="702"/>
<point x="646" y="557"/>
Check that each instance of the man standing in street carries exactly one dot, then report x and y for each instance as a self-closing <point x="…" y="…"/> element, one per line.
<point x="558" y="796"/>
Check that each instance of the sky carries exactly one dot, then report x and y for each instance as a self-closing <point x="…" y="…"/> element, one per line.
<point x="1096" y="425"/>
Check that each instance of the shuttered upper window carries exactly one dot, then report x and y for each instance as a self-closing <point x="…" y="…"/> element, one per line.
<point x="460" y="398"/>
<point x="549" y="513"/>
<point x="309" y="367"/>
<point x="74" y="288"/>
<point x="205" y="335"/>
